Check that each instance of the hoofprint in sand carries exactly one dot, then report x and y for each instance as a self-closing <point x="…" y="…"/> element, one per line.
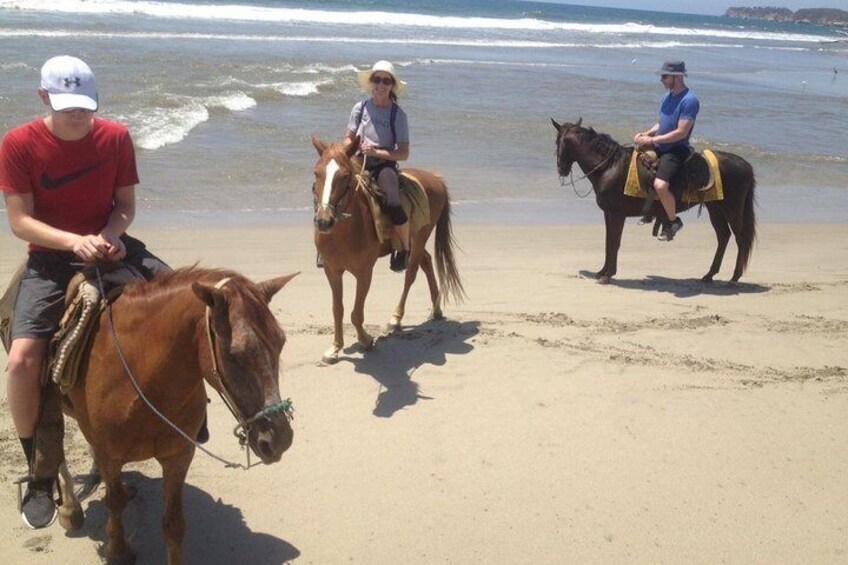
<point x="546" y="420"/>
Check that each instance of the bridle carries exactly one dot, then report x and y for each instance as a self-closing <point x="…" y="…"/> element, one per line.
<point x="560" y="149"/>
<point x="338" y="211"/>
<point x="242" y="429"/>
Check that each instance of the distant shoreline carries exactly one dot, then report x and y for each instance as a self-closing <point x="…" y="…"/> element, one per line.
<point x="829" y="17"/>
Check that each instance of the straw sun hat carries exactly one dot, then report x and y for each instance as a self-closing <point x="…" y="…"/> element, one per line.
<point x="380" y="66"/>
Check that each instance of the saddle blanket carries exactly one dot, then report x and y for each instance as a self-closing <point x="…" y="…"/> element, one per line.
<point x="633" y="185"/>
<point x="415" y="203"/>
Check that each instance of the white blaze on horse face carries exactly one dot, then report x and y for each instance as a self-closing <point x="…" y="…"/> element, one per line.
<point x="329" y="174"/>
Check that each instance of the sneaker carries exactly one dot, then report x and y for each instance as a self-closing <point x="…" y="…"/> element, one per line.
<point x="645" y="220"/>
<point x="399" y="261"/>
<point x="38" y="509"/>
<point x="319" y="261"/>
<point x="669" y="232"/>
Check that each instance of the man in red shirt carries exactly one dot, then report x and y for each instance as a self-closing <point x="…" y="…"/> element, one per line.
<point x="69" y="184"/>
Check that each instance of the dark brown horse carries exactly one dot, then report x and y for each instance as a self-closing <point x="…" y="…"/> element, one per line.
<point x="170" y="336"/>
<point x="347" y="241"/>
<point x="605" y="164"/>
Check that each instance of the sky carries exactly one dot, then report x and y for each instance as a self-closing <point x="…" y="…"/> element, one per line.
<point x="706" y="7"/>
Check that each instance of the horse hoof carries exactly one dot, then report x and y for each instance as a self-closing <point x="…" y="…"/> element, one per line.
<point x="331" y="356"/>
<point x="436" y="314"/>
<point x="367" y="344"/>
<point x="393" y="325"/>
<point x="127" y="558"/>
<point x="707" y="278"/>
<point x="604" y="279"/>
<point x="71" y="521"/>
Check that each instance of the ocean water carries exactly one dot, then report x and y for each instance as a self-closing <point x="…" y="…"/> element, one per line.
<point x="222" y="97"/>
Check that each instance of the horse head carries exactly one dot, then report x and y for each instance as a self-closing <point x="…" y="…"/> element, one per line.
<point x="566" y="135"/>
<point x="246" y="343"/>
<point x="335" y="177"/>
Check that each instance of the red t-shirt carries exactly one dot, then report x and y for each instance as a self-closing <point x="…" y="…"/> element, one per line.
<point x="72" y="182"/>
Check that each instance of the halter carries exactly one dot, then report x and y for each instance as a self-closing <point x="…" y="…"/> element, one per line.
<point x="242" y="429"/>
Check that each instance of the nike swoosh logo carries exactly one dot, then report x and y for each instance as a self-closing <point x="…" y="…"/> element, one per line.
<point x="53" y="184"/>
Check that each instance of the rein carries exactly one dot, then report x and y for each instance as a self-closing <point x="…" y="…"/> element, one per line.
<point x="137" y="387"/>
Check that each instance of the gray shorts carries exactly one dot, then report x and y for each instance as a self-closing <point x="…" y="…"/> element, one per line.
<point x="41" y="296"/>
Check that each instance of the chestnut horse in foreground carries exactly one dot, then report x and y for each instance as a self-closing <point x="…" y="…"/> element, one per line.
<point x="605" y="163"/>
<point x="347" y="240"/>
<point x="169" y="336"/>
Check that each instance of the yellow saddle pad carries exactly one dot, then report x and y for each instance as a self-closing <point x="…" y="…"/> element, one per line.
<point x="633" y="185"/>
<point x="414" y="201"/>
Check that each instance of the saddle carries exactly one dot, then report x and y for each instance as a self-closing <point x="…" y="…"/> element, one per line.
<point x="415" y="203"/>
<point x="699" y="181"/>
<point x="83" y="305"/>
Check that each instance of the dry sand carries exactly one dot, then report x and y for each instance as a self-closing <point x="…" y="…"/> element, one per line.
<point x="546" y="420"/>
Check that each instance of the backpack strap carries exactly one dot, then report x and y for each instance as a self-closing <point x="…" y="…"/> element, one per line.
<point x="359" y="114"/>
<point x="392" y="123"/>
<point x="392" y="117"/>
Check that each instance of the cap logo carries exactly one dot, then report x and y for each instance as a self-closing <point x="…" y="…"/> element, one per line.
<point x="69" y="81"/>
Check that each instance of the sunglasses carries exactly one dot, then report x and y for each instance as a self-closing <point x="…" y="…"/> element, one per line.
<point x="388" y="81"/>
<point x="663" y="77"/>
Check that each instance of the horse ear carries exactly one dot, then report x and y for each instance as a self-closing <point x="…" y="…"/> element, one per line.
<point x="579" y="122"/>
<point x="319" y="145"/>
<point x="213" y="297"/>
<point x="556" y="125"/>
<point x="353" y="147"/>
<point x="270" y="287"/>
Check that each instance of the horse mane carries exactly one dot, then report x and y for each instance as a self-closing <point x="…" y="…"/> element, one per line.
<point x="252" y="299"/>
<point x="604" y="144"/>
<point x="338" y="152"/>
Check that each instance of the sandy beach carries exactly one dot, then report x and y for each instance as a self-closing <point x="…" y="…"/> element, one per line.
<point x="546" y="420"/>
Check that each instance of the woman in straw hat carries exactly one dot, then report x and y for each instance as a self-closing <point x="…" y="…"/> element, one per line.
<point x="383" y="132"/>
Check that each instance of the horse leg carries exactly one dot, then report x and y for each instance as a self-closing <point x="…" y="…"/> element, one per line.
<point x="357" y="315"/>
<point x="736" y="226"/>
<point x="415" y="259"/>
<point x="722" y="231"/>
<point x="174" y="470"/>
<point x="71" y="517"/>
<point x="335" y="279"/>
<point x="117" y="549"/>
<point x="435" y="297"/>
<point x="614" y="226"/>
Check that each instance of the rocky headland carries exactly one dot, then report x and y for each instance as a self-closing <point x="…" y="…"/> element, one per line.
<point x="817" y="16"/>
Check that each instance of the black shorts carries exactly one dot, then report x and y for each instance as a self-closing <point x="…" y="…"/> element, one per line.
<point x="671" y="163"/>
<point x="41" y="296"/>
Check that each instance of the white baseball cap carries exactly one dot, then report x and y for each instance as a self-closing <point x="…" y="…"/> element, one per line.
<point x="69" y="83"/>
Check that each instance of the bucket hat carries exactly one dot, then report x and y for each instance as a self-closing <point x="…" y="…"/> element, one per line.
<point x="673" y="68"/>
<point x="380" y="66"/>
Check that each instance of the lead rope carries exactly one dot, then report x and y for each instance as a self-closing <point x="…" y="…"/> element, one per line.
<point x="129" y="373"/>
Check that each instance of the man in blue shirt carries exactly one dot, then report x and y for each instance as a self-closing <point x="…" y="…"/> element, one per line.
<point x="670" y="136"/>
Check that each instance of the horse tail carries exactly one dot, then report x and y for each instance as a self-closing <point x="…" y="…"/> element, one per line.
<point x="749" y="225"/>
<point x="445" y="262"/>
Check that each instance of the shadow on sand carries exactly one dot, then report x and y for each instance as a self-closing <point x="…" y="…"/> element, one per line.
<point x="684" y="288"/>
<point x="215" y="531"/>
<point x="396" y="356"/>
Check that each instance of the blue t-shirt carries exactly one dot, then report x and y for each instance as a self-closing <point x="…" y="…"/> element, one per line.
<point x="683" y="106"/>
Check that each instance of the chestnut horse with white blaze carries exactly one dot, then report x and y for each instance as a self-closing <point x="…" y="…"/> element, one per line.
<point x="347" y="240"/>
